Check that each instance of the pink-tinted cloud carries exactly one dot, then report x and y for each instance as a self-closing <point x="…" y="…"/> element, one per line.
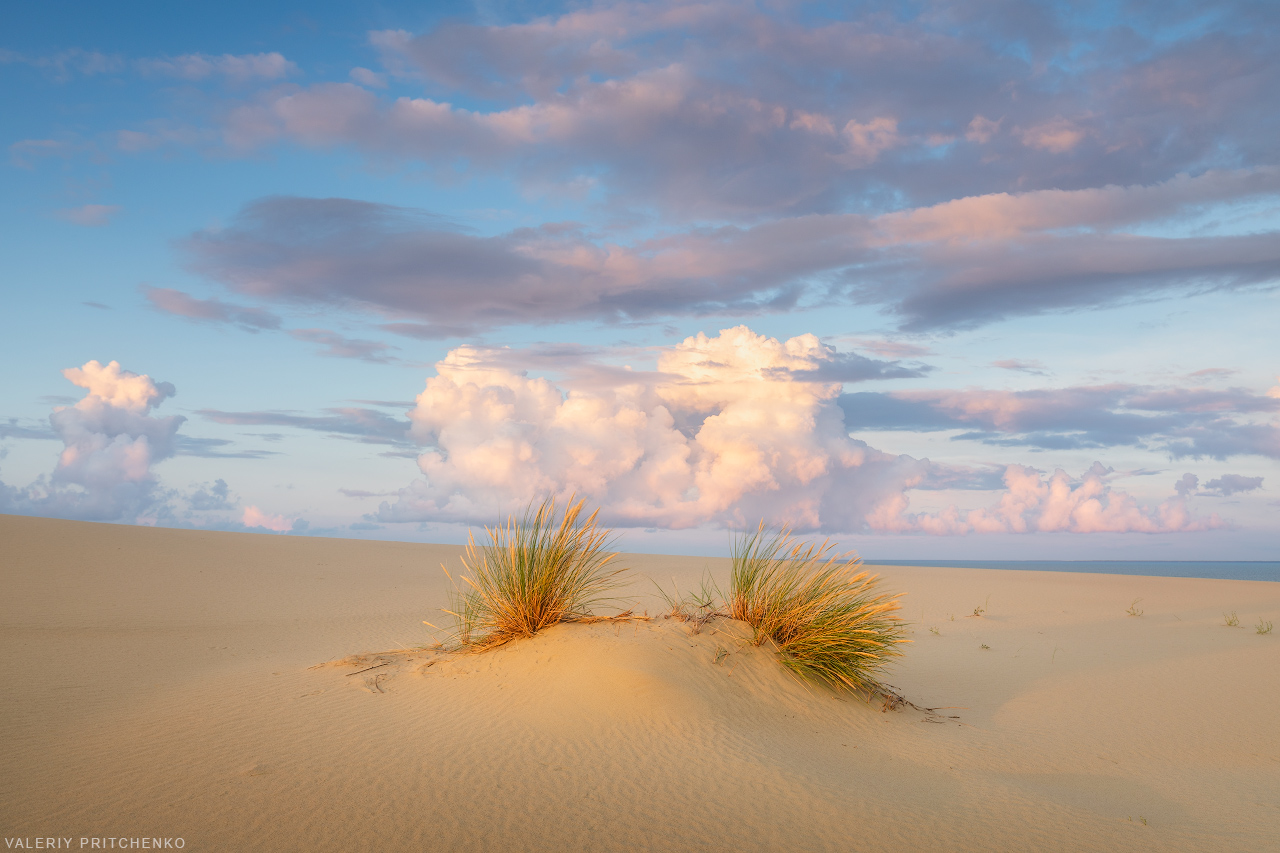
<point x="112" y="386"/>
<point x="1033" y="504"/>
<point x="981" y="129"/>
<point x="639" y="115"/>
<point x="1181" y="421"/>
<point x="960" y="263"/>
<point x="254" y="517"/>
<point x="1003" y="216"/>
<point x="110" y="443"/>
<point x="718" y="110"/>
<point x="1057" y="136"/>
<point x="370" y="79"/>
<point x="183" y="304"/>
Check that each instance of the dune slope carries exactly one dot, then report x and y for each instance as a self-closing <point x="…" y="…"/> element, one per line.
<point x="203" y="685"/>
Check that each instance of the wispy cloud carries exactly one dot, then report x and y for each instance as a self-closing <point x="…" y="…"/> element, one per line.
<point x="1034" y="368"/>
<point x="14" y="429"/>
<point x="216" y="448"/>
<point x="27" y="153"/>
<point x="366" y="425"/>
<point x="1195" y="422"/>
<point x="252" y="319"/>
<point x="64" y="65"/>
<point x="183" y="304"/>
<point x="361" y="493"/>
<point x="201" y="66"/>
<point x="90" y="215"/>
<point x="338" y="346"/>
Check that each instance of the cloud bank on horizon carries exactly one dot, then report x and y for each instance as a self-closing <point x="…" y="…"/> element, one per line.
<point x="724" y="433"/>
<point x="727" y="430"/>
<point x="550" y="211"/>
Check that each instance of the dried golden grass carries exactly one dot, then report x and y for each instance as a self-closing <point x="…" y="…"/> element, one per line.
<point x="826" y="618"/>
<point x="533" y="573"/>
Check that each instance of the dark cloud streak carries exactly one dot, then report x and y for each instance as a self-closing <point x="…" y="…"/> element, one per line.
<point x="1197" y="422"/>
<point x="927" y="267"/>
<point x="364" y="425"/>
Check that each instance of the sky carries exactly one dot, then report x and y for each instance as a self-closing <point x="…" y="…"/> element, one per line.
<point x="938" y="280"/>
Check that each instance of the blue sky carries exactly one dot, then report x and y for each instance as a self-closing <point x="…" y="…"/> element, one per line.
<point x="966" y="280"/>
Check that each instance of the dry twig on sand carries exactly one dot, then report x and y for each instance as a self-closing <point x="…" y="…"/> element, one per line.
<point x="892" y="700"/>
<point x="367" y="668"/>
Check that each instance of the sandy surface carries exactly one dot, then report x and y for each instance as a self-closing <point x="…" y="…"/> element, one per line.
<point x="158" y="683"/>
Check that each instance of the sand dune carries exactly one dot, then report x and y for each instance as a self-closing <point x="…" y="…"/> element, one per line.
<point x="165" y="683"/>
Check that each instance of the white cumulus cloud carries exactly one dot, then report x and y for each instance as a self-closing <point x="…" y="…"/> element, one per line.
<point x="110" y="443"/>
<point x="730" y="429"/>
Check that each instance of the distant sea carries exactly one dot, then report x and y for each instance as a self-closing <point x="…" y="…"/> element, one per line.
<point x="1225" y="570"/>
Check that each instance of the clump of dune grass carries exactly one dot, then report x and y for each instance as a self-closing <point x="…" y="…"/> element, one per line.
<point x="826" y="618"/>
<point x="534" y="572"/>
<point x="1264" y="627"/>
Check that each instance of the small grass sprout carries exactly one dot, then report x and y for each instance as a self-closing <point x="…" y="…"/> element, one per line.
<point x="1231" y="619"/>
<point x="985" y="646"/>
<point x="1263" y="627"/>
<point x="934" y="631"/>
<point x="1134" y="609"/>
<point x="533" y="573"/>
<point x="695" y="609"/>
<point x="826" y="618"/>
